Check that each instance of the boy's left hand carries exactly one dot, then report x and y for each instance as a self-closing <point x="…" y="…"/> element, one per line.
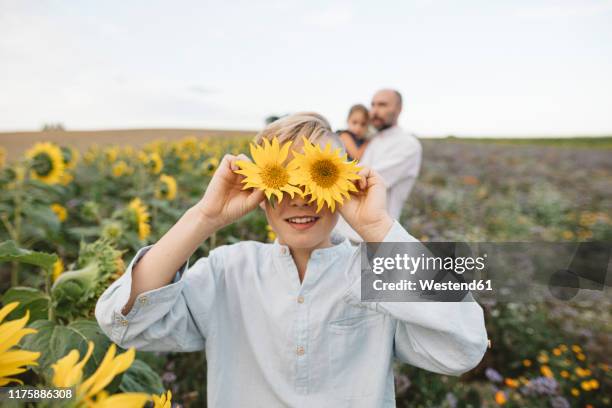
<point x="366" y="211"/>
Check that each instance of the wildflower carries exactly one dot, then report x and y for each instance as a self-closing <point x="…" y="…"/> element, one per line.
<point x="14" y="361"/>
<point x="556" y="352"/>
<point x="512" y="383"/>
<point x="58" y="268"/>
<point x="500" y="398"/>
<point x="575" y="392"/>
<point x="563" y="347"/>
<point x="559" y="402"/>
<point x="164" y="400"/>
<point x="60" y="211"/>
<point x="565" y="374"/>
<point x="166" y="188"/>
<point x="586" y="385"/>
<point x="543" y="358"/>
<point x="581" y="356"/>
<point x="493" y="375"/>
<point x="47" y="162"/>
<point x="326" y="176"/>
<point x="594" y="384"/>
<point x="268" y="172"/>
<point x="527" y="363"/>
<point x="541" y="386"/>
<point x="140" y="215"/>
<point x="576" y="348"/>
<point x="546" y="371"/>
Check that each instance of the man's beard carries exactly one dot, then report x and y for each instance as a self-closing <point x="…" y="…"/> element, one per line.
<point x="385" y="125"/>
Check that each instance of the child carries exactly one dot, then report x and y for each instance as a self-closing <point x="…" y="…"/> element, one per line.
<point x="354" y="138"/>
<point x="283" y="323"/>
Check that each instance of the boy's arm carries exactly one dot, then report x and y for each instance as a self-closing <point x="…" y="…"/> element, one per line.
<point x="443" y="337"/>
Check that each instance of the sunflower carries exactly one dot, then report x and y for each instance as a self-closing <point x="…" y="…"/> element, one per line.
<point x="153" y="162"/>
<point x="70" y="156"/>
<point x="47" y="162"/>
<point x="271" y="235"/>
<point x="14" y="361"/>
<point x="60" y="211"/>
<point x="167" y="188"/>
<point x="68" y="372"/>
<point x="141" y="218"/>
<point x="268" y="172"/>
<point x="58" y="268"/>
<point x="210" y="165"/>
<point x="162" y="401"/>
<point x="2" y="156"/>
<point x="121" y="168"/>
<point x="326" y="175"/>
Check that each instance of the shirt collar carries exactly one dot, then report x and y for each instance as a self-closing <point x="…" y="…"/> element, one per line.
<point x="339" y="244"/>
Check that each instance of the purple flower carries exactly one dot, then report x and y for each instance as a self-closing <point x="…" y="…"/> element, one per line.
<point x="540" y="386"/>
<point x="493" y="375"/>
<point x="559" y="402"/>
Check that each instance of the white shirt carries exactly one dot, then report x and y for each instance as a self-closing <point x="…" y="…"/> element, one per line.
<point x="396" y="155"/>
<point x="272" y="341"/>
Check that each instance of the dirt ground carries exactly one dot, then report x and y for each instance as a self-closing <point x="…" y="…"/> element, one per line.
<point x="18" y="142"/>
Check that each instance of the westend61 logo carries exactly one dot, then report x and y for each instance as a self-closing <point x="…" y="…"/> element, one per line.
<point x="500" y="271"/>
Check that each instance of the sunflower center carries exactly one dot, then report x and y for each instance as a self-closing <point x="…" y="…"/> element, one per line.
<point x="274" y="176"/>
<point x="42" y="164"/>
<point x="324" y="172"/>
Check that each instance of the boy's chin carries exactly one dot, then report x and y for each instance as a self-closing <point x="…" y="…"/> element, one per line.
<point x="303" y="240"/>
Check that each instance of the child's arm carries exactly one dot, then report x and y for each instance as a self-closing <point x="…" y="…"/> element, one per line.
<point x="153" y="304"/>
<point x="444" y="337"/>
<point x="351" y="147"/>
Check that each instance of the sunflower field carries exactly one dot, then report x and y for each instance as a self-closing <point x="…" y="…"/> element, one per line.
<point x="71" y="219"/>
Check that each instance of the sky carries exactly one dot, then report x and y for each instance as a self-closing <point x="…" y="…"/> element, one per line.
<point x="467" y="68"/>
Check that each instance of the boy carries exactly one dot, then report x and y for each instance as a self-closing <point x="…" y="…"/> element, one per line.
<point x="282" y="324"/>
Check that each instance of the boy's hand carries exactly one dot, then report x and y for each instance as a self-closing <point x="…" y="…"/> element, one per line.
<point x="224" y="200"/>
<point x="366" y="211"/>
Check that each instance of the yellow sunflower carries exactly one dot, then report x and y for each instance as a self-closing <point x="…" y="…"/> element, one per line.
<point x="326" y="175"/>
<point x="47" y="162"/>
<point x="162" y="401"/>
<point x="58" y="268"/>
<point x="167" y="188"/>
<point x="2" y="156"/>
<point x="210" y="165"/>
<point x="68" y="372"/>
<point x="70" y="156"/>
<point x="60" y="211"/>
<point x="153" y="162"/>
<point x="14" y="361"/>
<point x="121" y="168"/>
<point x="268" y="172"/>
<point x="141" y="218"/>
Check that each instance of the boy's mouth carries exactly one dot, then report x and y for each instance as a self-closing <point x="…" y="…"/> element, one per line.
<point x="302" y="223"/>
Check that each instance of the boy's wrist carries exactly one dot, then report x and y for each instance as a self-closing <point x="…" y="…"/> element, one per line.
<point x="208" y="225"/>
<point x="376" y="231"/>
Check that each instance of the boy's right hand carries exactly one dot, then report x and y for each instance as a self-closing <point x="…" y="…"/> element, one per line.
<point x="224" y="200"/>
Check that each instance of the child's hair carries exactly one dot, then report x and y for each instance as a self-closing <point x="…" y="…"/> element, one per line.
<point x="359" y="108"/>
<point x="311" y="125"/>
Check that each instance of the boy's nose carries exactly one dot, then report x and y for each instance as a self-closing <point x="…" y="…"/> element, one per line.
<point x="298" y="201"/>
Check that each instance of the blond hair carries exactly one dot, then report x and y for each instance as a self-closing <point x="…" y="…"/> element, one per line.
<point x="292" y="127"/>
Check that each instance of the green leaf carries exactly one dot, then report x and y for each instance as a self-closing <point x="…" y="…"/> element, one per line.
<point x="29" y="298"/>
<point x="10" y="252"/>
<point x="141" y="378"/>
<point x="82" y="232"/>
<point x="55" y="341"/>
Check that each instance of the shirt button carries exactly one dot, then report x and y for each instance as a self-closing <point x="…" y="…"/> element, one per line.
<point x="143" y="299"/>
<point x="300" y="299"/>
<point x="284" y="251"/>
<point x="300" y="351"/>
<point x="124" y="322"/>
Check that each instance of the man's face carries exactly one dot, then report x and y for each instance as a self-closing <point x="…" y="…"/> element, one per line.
<point x="295" y="221"/>
<point x="385" y="109"/>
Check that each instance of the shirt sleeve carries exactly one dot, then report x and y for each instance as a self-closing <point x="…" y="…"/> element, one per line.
<point x="175" y="317"/>
<point x="444" y="337"/>
<point x="399" y="161"/>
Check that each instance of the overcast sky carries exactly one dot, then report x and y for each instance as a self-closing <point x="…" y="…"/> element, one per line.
<point x="466" y="67"/>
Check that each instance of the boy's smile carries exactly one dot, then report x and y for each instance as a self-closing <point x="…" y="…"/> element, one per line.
<point x="302" y="222"/>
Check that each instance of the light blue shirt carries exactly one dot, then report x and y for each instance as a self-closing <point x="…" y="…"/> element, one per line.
<point x="272" y="341"/>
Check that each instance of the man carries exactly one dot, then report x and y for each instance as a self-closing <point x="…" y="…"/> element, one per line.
<point x="393" y="153"/>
